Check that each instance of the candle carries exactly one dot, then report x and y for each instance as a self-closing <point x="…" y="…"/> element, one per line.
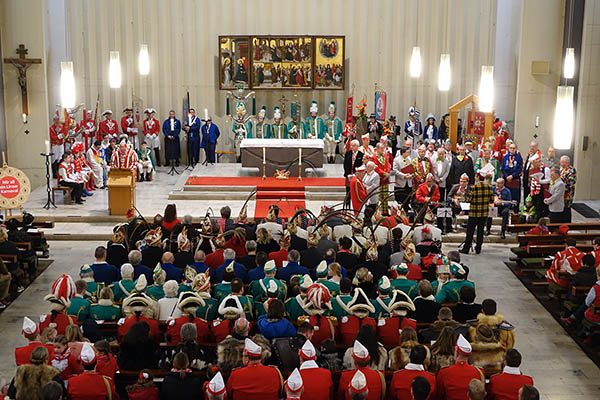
<point x="24" y="118"/>
<point x="47" y="147"/>
<point x="264" y="155"/>
<point x="299" y="155"/>
<point x="537" y="121"/>
<point x="206" y="114"/>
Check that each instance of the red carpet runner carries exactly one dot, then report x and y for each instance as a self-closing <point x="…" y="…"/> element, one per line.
<point x="286" y="194"/>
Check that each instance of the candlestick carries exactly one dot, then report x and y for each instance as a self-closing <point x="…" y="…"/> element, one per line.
<point x="47" y="147"/>
<point x="206" y="114"/>
<point x="264" y="156"/>
<point x="299" y="155"/>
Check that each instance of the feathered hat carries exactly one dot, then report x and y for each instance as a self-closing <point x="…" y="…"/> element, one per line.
<point x="318" y="297"/>
<point x="63" y="289"/>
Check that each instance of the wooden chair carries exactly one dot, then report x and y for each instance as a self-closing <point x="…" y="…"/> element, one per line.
<point x="222" y="153"/>
<point x="66" y="193"/>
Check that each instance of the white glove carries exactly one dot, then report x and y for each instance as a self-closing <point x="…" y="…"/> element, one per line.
<point x="134" y="130"/>
<point x="60" y="136"/>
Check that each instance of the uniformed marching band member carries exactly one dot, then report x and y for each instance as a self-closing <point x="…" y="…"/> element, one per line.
<point x="453" y="381"/>
<point x="258" y="288"/>
<point x="188" y="303"/>
<point x="63" y="289"/>
<point x="382" y="302"/>
<point x="231" y="309"/>
<point x="215" y="388"/>
<point x="413" y="127"/>
<point x="372" y="379"/>
<point x="333" y="133"/>
<point x="321" y="384"/>
<point x="138" y="303"/>
<point x="254" y="381"/>
<point x="358" y="389"/>
<point x="314" y="126"/>
<point x="389" y="328"/>
<point x="129" y="128"/>
<point x="359" y="309"/>
<point x="294" y="306"/>
<point x="278" y="128"/>
<point x="57" y="141"/>
<point x="87" y="127"/>
<point x="151" y="131"/>
<point x="201" y="285"/>
<point x="450" y="291"/>
<point x="90" y="384"/>
<point x="86" y="273"/>
<point x="422" y="166"/>
<point x="318" y="302"/>
<point x="31" y="332"/>
<point x="105" y="309"/>
<point x="402" y="283"/>
<point x="296" y="128"/>
<point x="108" y="127"/>
<point x="261" y="130"/>
<point x="80" y="306"/>
<point x="322" y="274"/>
<point x="294" y="386"/>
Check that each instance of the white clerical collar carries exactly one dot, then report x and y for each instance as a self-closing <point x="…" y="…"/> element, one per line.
<point x="511" y="370"/>
<point x="309" y="364"/>
<point x="414" y="367"/>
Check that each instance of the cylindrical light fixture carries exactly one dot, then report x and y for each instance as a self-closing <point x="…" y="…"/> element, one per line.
<point x="144" y="60"/>
<point x="486" y="88"/>
<point x="564" y="117"/>
<point x="444" y="74"/>
<point x="114" y="70"/>
<point x="415" y="62"/>
<point x="569" y="66"/>
<point x="67" y="84"/>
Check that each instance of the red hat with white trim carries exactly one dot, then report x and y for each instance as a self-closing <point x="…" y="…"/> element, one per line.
<point x="87" y="355"/>
<point x="251" y="348"/>
<point x="294" y="382"/>
<point x="358" y="384"/>
<point x="360" y="352"/>
<point x="365" y="136"/>
<point x="308" y="351"/>
<point x="463" y="346"/>
<point x="29" y="327"/>
<point x="216" y="386"/>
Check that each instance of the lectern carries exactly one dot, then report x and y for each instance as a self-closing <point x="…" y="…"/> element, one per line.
<point x="121" y="191"/>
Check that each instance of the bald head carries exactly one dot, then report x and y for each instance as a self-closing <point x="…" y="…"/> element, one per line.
<point x="168" y="257"/>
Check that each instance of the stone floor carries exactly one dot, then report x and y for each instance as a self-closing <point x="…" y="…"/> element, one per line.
<point x="560" y="369"/>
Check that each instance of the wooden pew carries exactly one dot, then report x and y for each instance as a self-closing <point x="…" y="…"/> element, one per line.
<point x="574" y="226"/>
<point x="551" y="249"/>
<point x="554" y="238"/>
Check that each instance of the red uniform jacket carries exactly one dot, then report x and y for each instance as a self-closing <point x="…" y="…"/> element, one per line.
<point x="358" y="192"/>
<point x="593" y="314"/>
<point x="90" y="386"/>
<point x="415" y="273"/>
<point x="174" y="329"/>
<point x="254" y="382"/>
<point x="237" y="244"/>
<point x="126" y="124"/>
<point x="67" y="367"/>
<point x="325" y="330"/>
<point x="596" y="254"/>
<point x="154" y="331"/>
<point x="452" y="381"/>
<point x="215" y="259"/>
<point x="61" y="320"/>
<point x="402" y="380"/>
<point x="506" y="386"/>
<point x="107" y="366"/>
<point x="423" y="191"/>
<point x="23" y="354"/>
<point x="56" y="130"/>
<point x="381" y="168"/>
<point x="279" y="257"/>
<point x="151" y="127"/>
<point x="318" y="384"/>
<point x="375" y="383"/>
<point x="389" y="334"/>
<point x="350" y="325"/>
<point x="219" y="329"/>
<point x="109" y="127"/>
<point x="570" y="256"/>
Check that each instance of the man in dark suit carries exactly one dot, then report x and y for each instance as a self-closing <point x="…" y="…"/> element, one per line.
<point x="352" y="159"/>
<point x="344" y="256"/>
<point x="210" y="134"/>
<point x="466" y="309"/>
<point x="104" y="272"/>
<point x="461" y="163"/>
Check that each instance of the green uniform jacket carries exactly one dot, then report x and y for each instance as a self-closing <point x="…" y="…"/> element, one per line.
<point x="450" y="291"/>
<point x="299" y="130"/>
<point x="149" y="154"/>
<point x="105" y="312"/>
<point x="183" y="288"/>
<point x="336" y="309"/>
<point x="156" y="292"/>
<point x="407" y="286"/>
<point x="259" y="293"/>
<point x="234" y="128"/>
<point x="380" y="311"/>
<point x="333" y="287"/>
<point x="123" y="288"/>
<point x="222" y="290"/>
<point x="261" y="131"/>
<point x="294" y="308"/>
<point x="277" y="130"/>
<point x="309" y="128"/>
<point x="334" y="127"/>
<point x="79" y="308"/>
<point x="209" y="311"/>
<point x="93" y="291"/>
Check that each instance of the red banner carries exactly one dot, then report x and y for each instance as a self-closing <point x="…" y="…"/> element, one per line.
<point x="476" y="125"/>
<point x="349" y="104"/>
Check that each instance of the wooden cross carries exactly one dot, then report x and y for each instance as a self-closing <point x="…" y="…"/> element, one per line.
<point x="22" y="63"/>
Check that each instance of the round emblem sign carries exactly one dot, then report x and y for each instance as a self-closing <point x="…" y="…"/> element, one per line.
<point x="9" y="187"/>
<point x="14" y="187"/>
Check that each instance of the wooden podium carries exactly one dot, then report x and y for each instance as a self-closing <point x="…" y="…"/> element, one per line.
<point x="121" y="191"/>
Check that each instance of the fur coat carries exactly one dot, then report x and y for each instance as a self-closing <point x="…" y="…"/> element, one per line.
<point x="348" y="361"/>
<point x="30" y="379"/>
<point x="488" y="356"/>
<point x="506" y="336"/>
<point x="399" y="356"/>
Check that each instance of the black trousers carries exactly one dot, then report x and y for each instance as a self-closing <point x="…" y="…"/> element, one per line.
<point x="503" y="211"/>
<point x="472" y="223"/>
<point x="401" y="193"/>
<point x="541" y="209"/>
<point x="76" y="189"/>
<point x="556" y="217"/>
<point x="567" y="218"/>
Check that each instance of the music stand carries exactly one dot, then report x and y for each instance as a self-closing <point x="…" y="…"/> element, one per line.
<point x="173" y="170"/>
<point x="189" y="153"/>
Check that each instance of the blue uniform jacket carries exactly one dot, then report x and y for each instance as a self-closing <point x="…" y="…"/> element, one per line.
<point x="200" y="267"/>
<point x="212" y="135"/>
<point x="239" y="269"/>
<point x="272" y="329"/>
<point x="195" y="128"/>
<point x="516" y="168"/>
<point x="436" y="133"/>
<point x="141" y="269"/>
<point x="173" y="273"/>
<point x="105" y="273"/>
<point x="166" y="128"/>
<point x="256" y="274"/>
<point x="291" y="269"/>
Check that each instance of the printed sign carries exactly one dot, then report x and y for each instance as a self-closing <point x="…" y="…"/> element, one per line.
<point x="14" y="187"/>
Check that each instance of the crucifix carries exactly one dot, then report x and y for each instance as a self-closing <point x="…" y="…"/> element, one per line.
<point x="22" y="63"/>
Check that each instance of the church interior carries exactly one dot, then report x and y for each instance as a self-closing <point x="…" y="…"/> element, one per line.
<point x="264" y="174"/>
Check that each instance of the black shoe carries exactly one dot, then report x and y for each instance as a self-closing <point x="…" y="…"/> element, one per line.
<point x="463" y="251"/>
<point x="487" y="232"/>
<point x="166" y="165"/>
<point x="477" y="250"/>
<point x="142" y="177"/>
<point x="79" y="202"/>
<point x="502" y="235"/>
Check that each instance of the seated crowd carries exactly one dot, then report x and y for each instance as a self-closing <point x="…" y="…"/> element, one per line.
<point x="227" y="309"/>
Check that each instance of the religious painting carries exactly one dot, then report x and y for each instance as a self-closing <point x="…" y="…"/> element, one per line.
<point x="329" y="62"/>
<point x="281" y="62"/>
<point x="234" y="61"/>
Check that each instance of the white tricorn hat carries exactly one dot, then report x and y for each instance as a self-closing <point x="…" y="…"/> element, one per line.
<point x="149" y="111"/>
<point x="400" y="303"/>
<point x="137" y="302"/>
<point x="106" y="112"/>
<point x="463" y="346"/>
<point x="231" y="307"/>
<point x="190" y="299"/>
<point x="29" y="327"/>
<point x="360" y="303"/>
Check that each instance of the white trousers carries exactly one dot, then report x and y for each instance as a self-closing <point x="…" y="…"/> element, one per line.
<point x="144" y="166"/>
<point x="153" y="142"/>
<point x="330" y="146"/>
<point x="58" y="150"/>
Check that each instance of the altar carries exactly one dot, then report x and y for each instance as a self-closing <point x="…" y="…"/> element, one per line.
<point x="280" y="153"/>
